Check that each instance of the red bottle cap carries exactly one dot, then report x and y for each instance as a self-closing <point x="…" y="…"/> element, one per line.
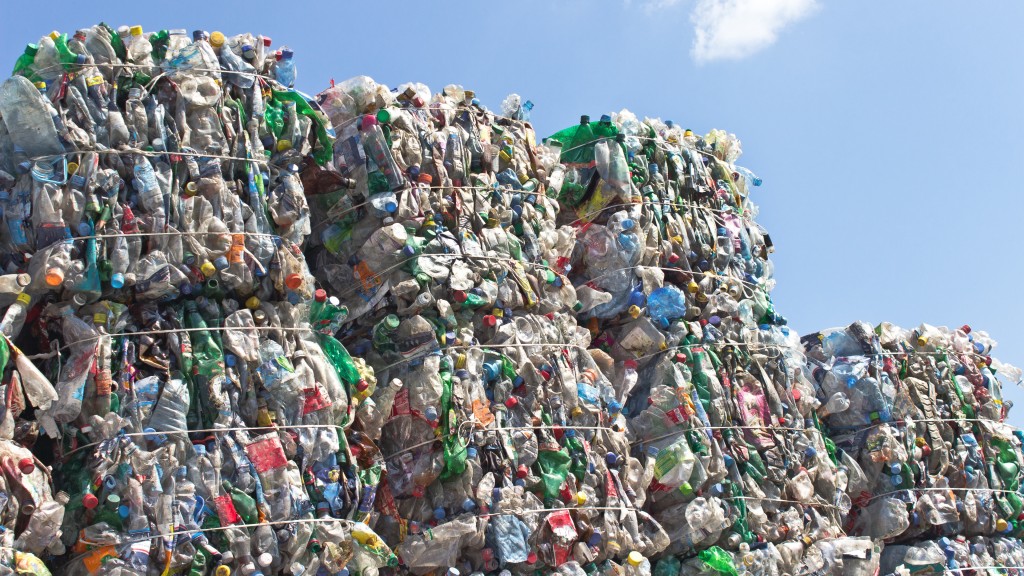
<point x="26" y="465"/>
<point x="531" y="558"/>
<point x="267" y="41"/>
<point x="630" y="364"/>
<point x="522" y="471"/>
<point x="90" y="501"/>
<point x="362" y="385"/>
<point x="459" y="296"/>
<point x="672" y="259"/>
<point x="320" y="295"/>
<point x="511" y="402"/>
<point x="293" y="281"/>
<point x="966" y="329"/>
<point x="490" y="320"/>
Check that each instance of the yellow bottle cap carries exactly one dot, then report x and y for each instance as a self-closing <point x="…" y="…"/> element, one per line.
<point x="136" y="30"/>
<point x="922" y="340"/>
<point x="581" y="498"/>
<point x="99" y="318"/>
<point x="24" y="298"/>
<point x="634" y="311"/>
<point x="208" y="269"/>
<point x="1001" y="524"/>
<point x="692" y="287"/>
<point x="252" y="303"/>
<point x="54" y="35"/>
<point x="54" y="277"/>
<point x="191" y="189"/>
<point x="41" y="85"/>
<point x="223" y="570"/>
<point x="72" y="167"/>
<point x="217" y="39"/>
<point x="284" y="144"/>
<point x="635" y="558"/>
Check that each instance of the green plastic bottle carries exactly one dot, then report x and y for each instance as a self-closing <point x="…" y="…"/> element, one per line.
<point x="24" y="63"/>
<point x="69" y="59"/>
<point x="245" y="505"/>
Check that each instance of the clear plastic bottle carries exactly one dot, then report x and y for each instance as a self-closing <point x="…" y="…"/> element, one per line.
<point x="29" y="118"/>
<point x="284" y="68"/>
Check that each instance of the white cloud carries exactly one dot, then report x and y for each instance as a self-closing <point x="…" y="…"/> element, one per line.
<point x="734" y="29"/>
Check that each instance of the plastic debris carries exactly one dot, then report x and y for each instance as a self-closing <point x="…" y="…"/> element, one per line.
<point x="393" y="332"/>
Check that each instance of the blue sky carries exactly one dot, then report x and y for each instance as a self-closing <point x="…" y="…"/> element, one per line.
<point x="889" y="134"/>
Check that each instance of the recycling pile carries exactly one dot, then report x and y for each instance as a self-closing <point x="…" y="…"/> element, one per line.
<point x="152" y="199"/>
<point x="393" y="332"/>
<point x="584" y="362"/>
<point x="917" y="418"/>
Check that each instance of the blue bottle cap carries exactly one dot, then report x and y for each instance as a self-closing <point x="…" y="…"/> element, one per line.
<point x="725" y="458"/>
<point x="230" y="360"/>
<point x="109" y="482"/>
<point x="810" y="452"/>
<point x="496" y="495"/>
<point x="123" y="511"/>
<point x="519" y="482"/>
<point x="439" y="513"/>
<point x="117" y="280"/>
<point x="612" y="458"/>
<point x="468" y="505"/>
<point x="431" y="413"/>
<point x="628" y="224"/>
<point x="186" y="288"/>
<point x="220" y="263"/>
<point x="84" y="229"/>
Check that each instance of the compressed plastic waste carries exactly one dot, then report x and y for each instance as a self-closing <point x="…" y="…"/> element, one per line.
<point x="917" y="417"/>
<point x="389" y="331"/>
<point x="584" y="355"/>
<point x="174" y="400"/>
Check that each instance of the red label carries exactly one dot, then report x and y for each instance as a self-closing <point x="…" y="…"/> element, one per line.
<point x="401" y="407"/>
<point x="225" y="509"/>
<point x="267" y="454"/>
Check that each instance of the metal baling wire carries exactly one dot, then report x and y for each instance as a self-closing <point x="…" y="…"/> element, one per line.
<point x="164" y="70"/>
<point x="153" y="153"/>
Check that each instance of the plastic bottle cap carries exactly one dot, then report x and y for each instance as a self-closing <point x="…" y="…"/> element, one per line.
<point x="635" y="558"/>
<point x="54" y="277"/>
<point x="511" y="402"/>
<point x="26" y="465"/>
<point x="217" y="39"/>
<point x="265" y="559"/>
<point x="90" y="501"/>
<point x="425" y="178"/>
<point x="223" y="570"/>
<point x="137" y="31"/>
<point x="293" y="281"/>
<point x="284" y="144"/>
<point x="220" y="263"/>
<point x="117" y="280"/>
<point x="581" y="498"/>
<point x="208" y="269"/>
